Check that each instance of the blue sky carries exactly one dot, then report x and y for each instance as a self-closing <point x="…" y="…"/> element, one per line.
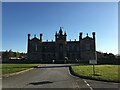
<point x="19" y="19"/>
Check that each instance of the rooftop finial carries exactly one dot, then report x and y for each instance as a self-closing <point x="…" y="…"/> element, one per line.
<point x="65" y="33"/>
<point x="87" y="34"/>
<point x="60" y="31"/>
<point x="35" y="35"/>
<point x="60" y="28"/>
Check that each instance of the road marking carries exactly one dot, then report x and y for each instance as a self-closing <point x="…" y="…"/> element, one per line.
<point x="91" y="88"/>
<point x="85" y="81"/>
<point x="88" y="84"/>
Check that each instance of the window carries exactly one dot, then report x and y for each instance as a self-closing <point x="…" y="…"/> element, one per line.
<point x="36" y="47"/>
<point x="87" y="46"/>
<point x="77" y="48"/>
<point x="44" y="48"/>
<point x="67" y="48"/>
<point x="61" y="47"/>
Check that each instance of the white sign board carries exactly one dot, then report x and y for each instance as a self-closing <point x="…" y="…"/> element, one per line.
<point x="92" y="61"/>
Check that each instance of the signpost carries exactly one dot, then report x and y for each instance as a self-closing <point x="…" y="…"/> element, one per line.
<point x="93" y="62"/>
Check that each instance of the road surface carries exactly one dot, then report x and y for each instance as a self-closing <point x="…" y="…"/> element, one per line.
<point x="54" y="76"/>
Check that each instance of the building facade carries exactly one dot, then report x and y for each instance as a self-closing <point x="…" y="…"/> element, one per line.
<point x="61" y="50"/>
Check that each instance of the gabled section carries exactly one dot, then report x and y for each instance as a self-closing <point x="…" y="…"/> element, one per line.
<point x="34" y="39"/>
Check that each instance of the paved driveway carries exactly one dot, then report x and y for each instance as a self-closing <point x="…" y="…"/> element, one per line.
<point x="53" y="76"/>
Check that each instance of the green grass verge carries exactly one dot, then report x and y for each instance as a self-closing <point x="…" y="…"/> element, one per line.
<point x="104" y="72"/>
<point x="12" y="68"/>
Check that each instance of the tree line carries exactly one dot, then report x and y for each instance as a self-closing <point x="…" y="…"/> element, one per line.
<point x="108" y="58"/>
<point x="6" y="55"/>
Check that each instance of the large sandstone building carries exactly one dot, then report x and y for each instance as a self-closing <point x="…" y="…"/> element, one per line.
<point x="61" y="50"/>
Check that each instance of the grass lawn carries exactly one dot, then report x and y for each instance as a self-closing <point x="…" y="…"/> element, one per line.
<point x="104" y="72"/>
<point x="12" y="68"/>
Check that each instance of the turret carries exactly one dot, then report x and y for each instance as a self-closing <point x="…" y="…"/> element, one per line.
<point x="94" y="42"/>
<point x="93" y="35"/>
<point x="94" y="46"/>
<point x="28" y="49"/>
<point x="80" y="36"/>
<point x="40" y="37"/>
<point x="56" y="36"/>
<point x="65" y="33"/>
<point x="28" y="36"/>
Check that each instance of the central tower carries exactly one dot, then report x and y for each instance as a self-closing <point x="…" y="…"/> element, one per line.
<point x="60" y="41"/>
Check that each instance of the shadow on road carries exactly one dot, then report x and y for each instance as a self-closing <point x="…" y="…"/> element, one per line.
<point x="40" y="83"/>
